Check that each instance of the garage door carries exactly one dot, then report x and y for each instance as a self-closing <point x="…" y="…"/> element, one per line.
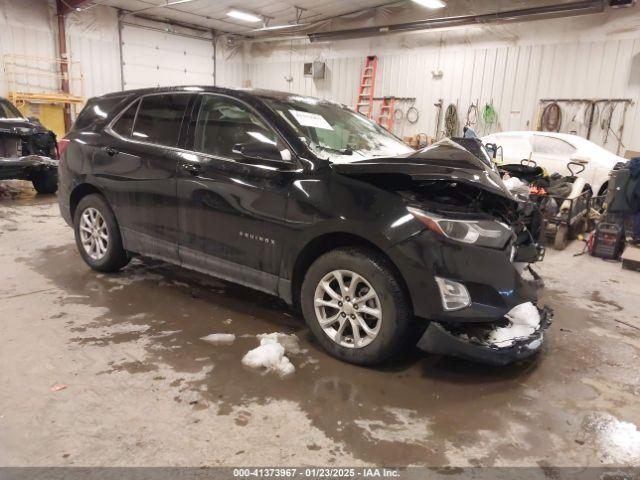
<point x="155" y="59"/>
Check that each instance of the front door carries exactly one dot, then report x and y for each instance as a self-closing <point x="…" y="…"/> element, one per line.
<point x="231" y="208"/>
<point x="137" y="167"/>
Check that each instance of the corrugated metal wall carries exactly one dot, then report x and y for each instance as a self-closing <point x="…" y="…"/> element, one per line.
<point x="560" y="58"/>
<point x="513" y="78"/>
<point x="29" y="28"/>
<point x="93" y="40"/>
<point x="19" y="37"/>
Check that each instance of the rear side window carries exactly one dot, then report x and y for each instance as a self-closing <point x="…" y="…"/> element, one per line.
<point x="96" y="112"/>
<point x="124" y="125"/>
<point x="159" y="119"/>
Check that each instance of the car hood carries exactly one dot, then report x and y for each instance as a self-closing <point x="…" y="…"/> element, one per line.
<point x="445" y="160"/>
<point x="20" y="126"/>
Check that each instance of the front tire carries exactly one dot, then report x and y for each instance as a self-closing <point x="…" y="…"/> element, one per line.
<point x="356" y="306"/>
<point x="98" y="236"/>
<point x="561" y="239"/>
<point x="45" y="183"/>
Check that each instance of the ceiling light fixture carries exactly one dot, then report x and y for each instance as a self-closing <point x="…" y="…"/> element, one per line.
<point x="175" y="2"/>
<point x="280" y="27"/>
<point x="244" y="16"/>
<point x="432" y="4"/>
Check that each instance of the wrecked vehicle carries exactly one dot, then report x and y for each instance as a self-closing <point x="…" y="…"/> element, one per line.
<point x="28" y="150"/>
<point x="309" y="201"/>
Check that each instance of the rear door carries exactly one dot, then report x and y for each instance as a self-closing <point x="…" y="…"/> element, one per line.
<point x="231" y="209"/>
<point x="137" y="167"/>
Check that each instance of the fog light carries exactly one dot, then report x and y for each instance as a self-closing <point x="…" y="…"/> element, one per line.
<point x="454" y="295"/>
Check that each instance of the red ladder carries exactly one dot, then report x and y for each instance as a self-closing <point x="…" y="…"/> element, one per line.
<point x="367" y="86"/>
<point x="385" y="117"/>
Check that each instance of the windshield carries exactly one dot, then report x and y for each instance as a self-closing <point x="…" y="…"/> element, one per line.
<point x="334" y="132"/>
<point x="7" y="110"/>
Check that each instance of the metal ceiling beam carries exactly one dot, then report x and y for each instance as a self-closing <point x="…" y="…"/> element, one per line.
<point x="68" y="6"/>
<point x="525" y="14"/>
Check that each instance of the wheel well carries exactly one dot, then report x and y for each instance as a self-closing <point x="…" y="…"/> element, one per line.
<point x="79" y="193"/>
<point x="325" y="243"/>
<point x="603" y="188"/>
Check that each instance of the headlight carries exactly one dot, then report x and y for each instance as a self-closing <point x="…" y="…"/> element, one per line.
<point x="484" y="233"/>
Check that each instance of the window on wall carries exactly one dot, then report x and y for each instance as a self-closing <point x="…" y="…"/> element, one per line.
<point x="223" y="122"/>
<point x="159" y="119"/>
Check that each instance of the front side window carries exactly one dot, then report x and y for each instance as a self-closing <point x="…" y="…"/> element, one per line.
<point x="159" y="119"/>
<point x="224" y="124"/>
<point x="336" y="133"/>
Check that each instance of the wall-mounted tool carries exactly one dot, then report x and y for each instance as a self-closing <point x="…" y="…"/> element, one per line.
<point x="595" y="114"/>
<point x="439" y="104"/>
<point x="451" y="121"/>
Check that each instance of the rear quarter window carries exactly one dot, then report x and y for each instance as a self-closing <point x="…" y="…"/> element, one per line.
<point x="124" y="125"/>
<point x="96" y="112"/>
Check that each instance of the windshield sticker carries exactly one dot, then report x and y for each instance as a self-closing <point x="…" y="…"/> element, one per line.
<point x="308" y="119"/>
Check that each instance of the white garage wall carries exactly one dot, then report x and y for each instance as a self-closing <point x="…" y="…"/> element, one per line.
<point x="29" y="28"/>
<point x="512" y="67"/>
<point x="20" y="37"/>
<point x="92" y="40"/>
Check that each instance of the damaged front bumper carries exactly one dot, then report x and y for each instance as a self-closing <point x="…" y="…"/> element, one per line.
<point x="470" y="342"/>
<point x="22" y="168"/>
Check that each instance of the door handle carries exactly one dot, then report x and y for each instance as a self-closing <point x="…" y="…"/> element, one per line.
<point x="111" y="151"/>
<point x="191" y="168"/>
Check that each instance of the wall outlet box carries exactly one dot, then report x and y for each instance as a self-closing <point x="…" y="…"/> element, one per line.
<point x="314" y="70"/>
<point x="437" y="73"/>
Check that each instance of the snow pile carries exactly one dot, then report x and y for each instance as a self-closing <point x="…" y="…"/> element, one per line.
<point x="270" y="355"/>
<point x="289" y="342"/>
<point x="524" y="321"/>
<point x="220" y="338"/>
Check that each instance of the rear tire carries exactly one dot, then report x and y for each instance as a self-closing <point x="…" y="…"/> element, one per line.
<point x="562" y="237"/>
<point x="98" y="236"/>
<point x="378" y="337"/>
<point x="46" y="182"/>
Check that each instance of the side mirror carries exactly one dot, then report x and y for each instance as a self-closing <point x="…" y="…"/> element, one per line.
<point x="581" y="159"/>
<point x="492" y="148"/>
<point x="33" y="119"/>
<point x="257" y="151"/>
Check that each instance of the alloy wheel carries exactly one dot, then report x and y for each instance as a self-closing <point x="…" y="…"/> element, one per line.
<point x="348" y="309"/>
<point x="94" y="234"/>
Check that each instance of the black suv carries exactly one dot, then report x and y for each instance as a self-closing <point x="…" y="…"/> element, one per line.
<point x="310" y="201"/>
<point x="28" y="150"/>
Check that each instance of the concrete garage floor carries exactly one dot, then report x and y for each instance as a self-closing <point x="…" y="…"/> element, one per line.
<point x="143" y="389"/>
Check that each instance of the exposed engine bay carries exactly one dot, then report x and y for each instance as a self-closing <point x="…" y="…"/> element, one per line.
<point x="28" y="150"/>
<point x="456" y="199"/>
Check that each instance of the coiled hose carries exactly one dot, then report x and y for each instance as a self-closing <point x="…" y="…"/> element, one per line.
<point x="489" y="116"/>
<point x="551" y="119"/>
<point x="451" y="121"/>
